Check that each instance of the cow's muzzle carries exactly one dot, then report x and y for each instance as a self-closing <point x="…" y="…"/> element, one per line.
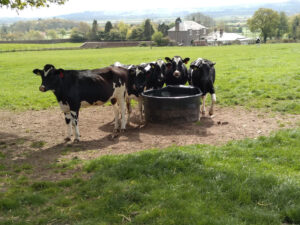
<point x="176" y="74"/>
<point x="42" y="88"/>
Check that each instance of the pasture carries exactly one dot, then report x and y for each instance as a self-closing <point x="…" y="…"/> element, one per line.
<point x="240" y="167"/>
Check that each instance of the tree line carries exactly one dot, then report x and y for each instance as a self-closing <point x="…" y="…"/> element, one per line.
<point x="271" y="24"/>
<point x="82" y="31"/>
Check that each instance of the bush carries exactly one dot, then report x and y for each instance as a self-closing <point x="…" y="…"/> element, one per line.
<point x="159" y="39"/>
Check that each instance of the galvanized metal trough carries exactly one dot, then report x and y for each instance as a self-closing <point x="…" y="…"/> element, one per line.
<point x="174" y="103"/>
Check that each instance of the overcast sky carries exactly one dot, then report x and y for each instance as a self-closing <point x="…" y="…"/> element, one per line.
<point x="73" y="6"/>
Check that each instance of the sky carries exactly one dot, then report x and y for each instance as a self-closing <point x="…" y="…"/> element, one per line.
<point x="73" y="6"/>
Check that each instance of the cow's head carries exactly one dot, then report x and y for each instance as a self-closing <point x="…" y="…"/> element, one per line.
<point x="176" y="65"/>
<point x="202" y="66"/>
<point x="158" y="70"/>
<point x="50" y="77"/>
<point x="143" y="73"/>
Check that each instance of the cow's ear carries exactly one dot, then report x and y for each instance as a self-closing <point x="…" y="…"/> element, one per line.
<point x="168" y="59"/>
<point x="186" y="60"/>
<point x="38" y="72"/>
<point x="193" y="67"/>
<point x="212" y="64"/>
<point x="152" y="65"/>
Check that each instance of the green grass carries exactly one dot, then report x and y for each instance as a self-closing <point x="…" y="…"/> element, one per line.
<point x="12" y="47"/>
<point x="242" y="182"/>
<point x="266" y="77"/>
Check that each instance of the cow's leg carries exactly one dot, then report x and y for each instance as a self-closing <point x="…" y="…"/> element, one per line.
<point x="117" y="120"/>
<point x="203" y="105"/>
<point x="68" y="119"/>
<point x="122" y="105"/>
<point x="213" y="101"/>
<point x="140" y="105"/>
<point x="75" y="115"/>
<point x="129" y="109"/>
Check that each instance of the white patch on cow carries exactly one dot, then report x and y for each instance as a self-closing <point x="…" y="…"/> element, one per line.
<point x="75" y="124"/>
<point x="177" y="59"/>
<point x="46" y="72"/>
<point x="64" y="107"/>
<point x="213" y="101"/>
<point x="214" y="98"/>
<point x="160" y="62"/>
<point x="117" y="64"/>
<point x="148" y="67"/>
<point x="119" y="94"/>
<point x="138" y="71"/>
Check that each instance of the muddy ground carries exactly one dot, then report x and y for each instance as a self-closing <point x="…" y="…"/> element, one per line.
<point x="36" y="138"/>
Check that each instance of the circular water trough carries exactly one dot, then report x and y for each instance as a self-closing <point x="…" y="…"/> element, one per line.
<point x="173" y="103"/>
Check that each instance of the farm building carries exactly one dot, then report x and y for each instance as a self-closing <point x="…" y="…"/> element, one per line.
<point x="223" y="38"/>
<point x="186" y="32"/>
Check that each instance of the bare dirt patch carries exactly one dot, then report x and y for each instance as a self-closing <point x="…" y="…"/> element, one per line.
<point x="36" y="138"/>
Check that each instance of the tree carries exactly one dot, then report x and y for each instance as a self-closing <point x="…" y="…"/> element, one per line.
<point x="178" y="20"/>
<point x="163" y="28"/>
<point x="51" y="34"/>
<point x="159" y="39"/>
<point x="202" y="19"/>
<point x="123" y="29"/>
<point x="265" y="21"/>
<point x="108" y="27"/>
<point x="137" y="33"/>
<point x="295" y="27"/>
<point x="148" y="30"/>
<point x="283" y="26"/>
<point x="19" y="5"/>
<point x="93" y="36"/>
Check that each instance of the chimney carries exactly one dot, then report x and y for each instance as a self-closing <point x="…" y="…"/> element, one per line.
<point x="177" y="25"/>
<point x="221" y="32"/>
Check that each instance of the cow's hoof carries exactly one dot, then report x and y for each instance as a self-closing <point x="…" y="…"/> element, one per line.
<point x="67" y="139"/>
<point x="203" y="113"/>
<point x="211" y="113"/>
<point x="76" y="140"/>
<point x="116" y="130"/>
<point x="123" y="130"/>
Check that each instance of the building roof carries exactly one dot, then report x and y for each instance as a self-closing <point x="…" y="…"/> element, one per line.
<point x="216" y="36"/>
<point x="188" y="25"/>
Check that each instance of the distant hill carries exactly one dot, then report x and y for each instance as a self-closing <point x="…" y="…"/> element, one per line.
<point x="290" y="7"/>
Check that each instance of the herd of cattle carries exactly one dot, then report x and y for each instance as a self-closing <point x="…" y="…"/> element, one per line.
<point x="120" y="83"/>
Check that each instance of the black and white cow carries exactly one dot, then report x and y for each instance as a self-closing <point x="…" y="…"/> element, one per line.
<point x="176" y="72"/>
<point x="203" y="76"/>
<point x="76" y="88"/>
<point x="156" y="78"/>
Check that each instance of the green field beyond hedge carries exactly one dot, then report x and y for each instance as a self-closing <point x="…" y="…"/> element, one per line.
<point x="266" y="76"/>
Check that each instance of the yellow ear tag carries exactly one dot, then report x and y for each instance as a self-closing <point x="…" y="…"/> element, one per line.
<point x="152" y="67"/>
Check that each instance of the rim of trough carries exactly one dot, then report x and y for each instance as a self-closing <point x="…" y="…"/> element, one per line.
<point x="144" y="94"/>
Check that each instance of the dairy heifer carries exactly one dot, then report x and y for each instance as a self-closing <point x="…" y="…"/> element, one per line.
<point x="203" y="76"/>
<point x="156" y="77"/>
<point x="176" y="72"/>
<point x="76" y="88"/>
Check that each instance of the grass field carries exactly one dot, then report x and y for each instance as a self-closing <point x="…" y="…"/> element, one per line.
<point x="13" y="47"/>
<point x="267" y="76"/>
<point x="242" y="182"/>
